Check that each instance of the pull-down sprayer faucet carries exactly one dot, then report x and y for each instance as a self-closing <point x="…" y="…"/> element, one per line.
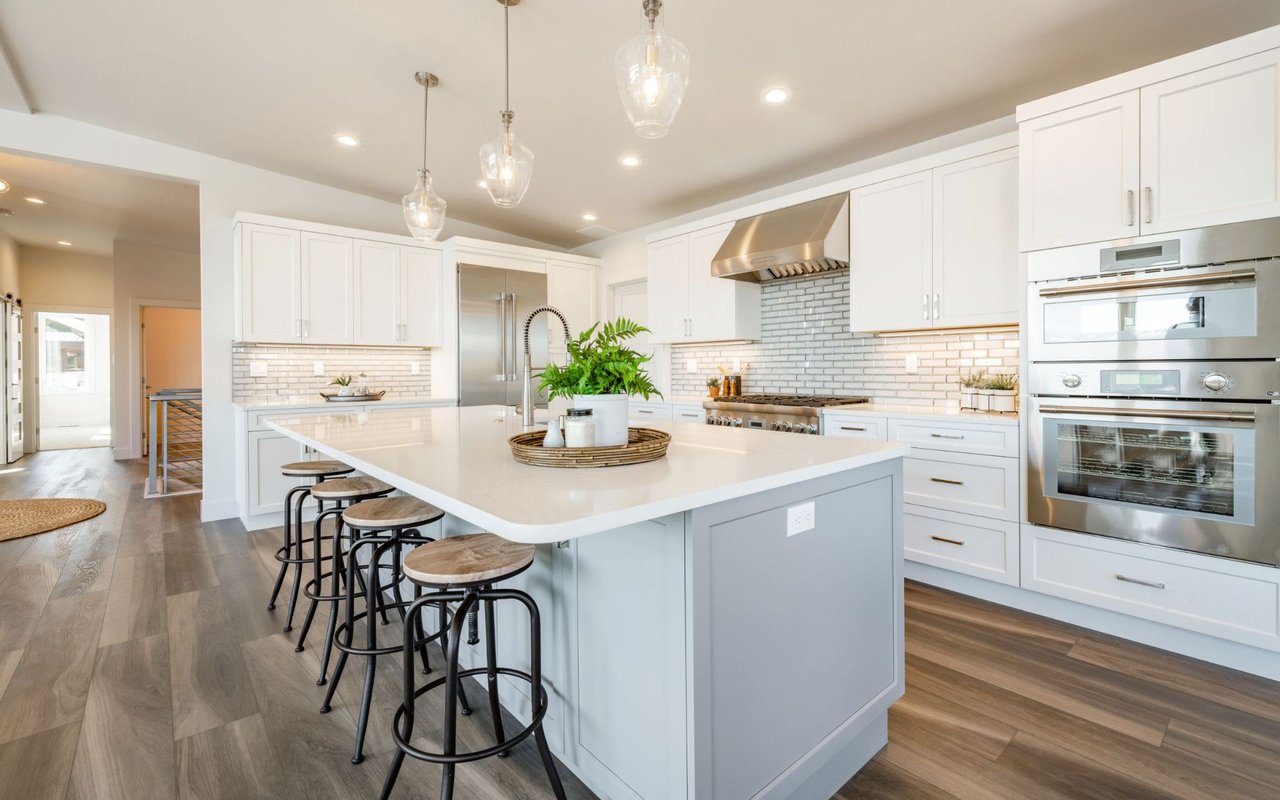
<point x="527" y="399"/>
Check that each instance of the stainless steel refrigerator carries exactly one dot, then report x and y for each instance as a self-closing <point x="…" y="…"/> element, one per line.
<point x="492" y="307"/>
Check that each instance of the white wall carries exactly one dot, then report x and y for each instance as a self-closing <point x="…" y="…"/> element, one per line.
<point x="9" y="280"/>
<point x="225" y="188"/>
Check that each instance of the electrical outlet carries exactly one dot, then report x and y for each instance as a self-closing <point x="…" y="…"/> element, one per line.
<point x="317" y="367"/>
<point x="257" y="369"/>
<point x="415" y="367"/>
<point x="691" y="365"/>
<point x="913" y="364"/>
<point x="800" y="518"/>
<point x="737" y="366"/>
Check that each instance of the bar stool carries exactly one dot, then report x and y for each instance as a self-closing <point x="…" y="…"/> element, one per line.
<point x="383" y="525"/>
<point x="291" y="552"/>
<point x="465" y="568"/>
<point x="343" y="493"/>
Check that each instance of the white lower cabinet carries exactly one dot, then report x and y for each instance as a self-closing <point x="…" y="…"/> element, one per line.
<point x="970" y="484"/>
<point x="978" y="546"/>
<point x="649" y="411"/>
<point x="1215" y="596"/>
<point x="688" y="412"/>
<point x="268" y="452"/>
<point x="855" y="426"/>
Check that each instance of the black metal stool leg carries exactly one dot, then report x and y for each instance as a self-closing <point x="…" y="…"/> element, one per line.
<point x="420" y="631"/>
<point x="317" y="562"/>
<point x="453" y="687"/>
<point x="535" y="671"/>
<point x="349" y="606"/>
<point x="445" y="638"/>
<point x="335" y="587"/>
<point x="297" y="573"/>
<point x="491" y="658"/>
<point x="372" y="599"/>
<point x="406" y="727"/>
<point x="288" y="544"/>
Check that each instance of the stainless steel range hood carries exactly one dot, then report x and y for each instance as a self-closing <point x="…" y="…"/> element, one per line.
<point x="807" y="239"/>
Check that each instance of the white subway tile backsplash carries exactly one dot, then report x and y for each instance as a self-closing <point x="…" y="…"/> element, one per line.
<point x="290" y="374"/>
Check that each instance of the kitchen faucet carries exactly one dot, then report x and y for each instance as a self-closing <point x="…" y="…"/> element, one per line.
<point x="527" y="400"/>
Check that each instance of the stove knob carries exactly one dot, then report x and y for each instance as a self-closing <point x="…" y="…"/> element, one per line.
<point x="1071" y="381"/>
<point x="811" y="428"/>
<point x="786" y="426"/>
<point x="775" y="426"/>
<point x="736" y="422"/>
<point x="710" y="420"/>
<point x="1215" y="381"/>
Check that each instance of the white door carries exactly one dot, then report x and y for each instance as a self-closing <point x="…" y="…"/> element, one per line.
<point x="975" y="241"/>
<point x="421" y="301"/>
<point x="668" y="272"/>
<point x="1211" y="146"/>
<point x="327" y="284"/>
<point x="12" y="381"/>
<point x="377" y="293"/>
<point x="713" y="302"/>
<point x="890" y="252"/>
<point x="1079" y="174"/>
<point x="270" y="276"/>
<point x="572" y="289"/>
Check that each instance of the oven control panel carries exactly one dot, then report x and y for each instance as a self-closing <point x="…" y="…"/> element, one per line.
<point x="1257" y="380"/>
<point x="787" y="423"/>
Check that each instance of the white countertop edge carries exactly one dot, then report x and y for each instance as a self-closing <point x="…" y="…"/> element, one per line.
<point x="286" y="408"/>
<point x="584" y="526"/>
<point x="939" y="413"/>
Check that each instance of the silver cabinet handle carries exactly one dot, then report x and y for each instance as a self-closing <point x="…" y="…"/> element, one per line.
<point x="688" y="414"/>
<point x="643" y="411"/>
<point x="515" y="351"/>
<point x="944" y="436"/>
<point x="1131" y="216"/>
<point x="937" y="306"/>
<point x="1146" y="201"/>
<point x="924" y="306"/>
<point x="564" y="545"/>
<point x="947" y="541"/>
<point x="947" y="481"/>
<point x="502" y="315"/>
<point x="851" y="428"/>
<point x="1140" y="581"/>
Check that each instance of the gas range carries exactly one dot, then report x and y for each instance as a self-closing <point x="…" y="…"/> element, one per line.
<point x="796" y="413"/>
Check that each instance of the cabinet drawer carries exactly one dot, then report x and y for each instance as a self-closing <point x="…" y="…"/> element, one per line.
<point x="856" y="426"/>
<point x="992" y="440"/>
<point x="644" y="411"/>
<point x="1201" y="593"/>
<point x="688" y="412"/>
<point x="982" y="485"/>
<point x="986" y="548"/>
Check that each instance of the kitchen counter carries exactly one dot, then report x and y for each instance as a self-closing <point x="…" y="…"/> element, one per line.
<point x="944" y="413"/>
<point x="669" y="591"/>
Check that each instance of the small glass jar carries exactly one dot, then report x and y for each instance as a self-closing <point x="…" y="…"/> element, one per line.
<point x="579" y="428"/>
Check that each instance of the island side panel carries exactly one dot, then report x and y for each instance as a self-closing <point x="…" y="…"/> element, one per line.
<point x="796" y="645"/>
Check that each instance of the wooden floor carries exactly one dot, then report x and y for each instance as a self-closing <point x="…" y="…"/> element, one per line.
<point x="137" y="661"/>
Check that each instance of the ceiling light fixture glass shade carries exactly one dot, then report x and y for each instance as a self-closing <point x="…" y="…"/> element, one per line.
<point x="653" y="72"/>
<point x="506" y="165"/>
<point x="423" y="208"/>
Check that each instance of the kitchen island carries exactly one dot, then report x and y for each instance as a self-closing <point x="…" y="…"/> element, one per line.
<point x="725" y="622"/>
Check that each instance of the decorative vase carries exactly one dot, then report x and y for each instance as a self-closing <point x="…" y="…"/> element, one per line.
<point x="345" y="391"/>
<point x="610" y="412"/>
<point x="1003" y="400"/>
<point x="983" y="399"/>
<point x="554" y="437"/>
<point x="713" y="391"/>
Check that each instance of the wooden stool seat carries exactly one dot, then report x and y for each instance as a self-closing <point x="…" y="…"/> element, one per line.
<point x="349" y="488"/>
<point x="391" y="512"/>
<point x="313" y="469"/>
<point x="461" y="560"/>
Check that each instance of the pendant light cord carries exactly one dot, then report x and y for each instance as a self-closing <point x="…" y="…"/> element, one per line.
<point x="426" y="101"/>
<point x="506" y="53"/>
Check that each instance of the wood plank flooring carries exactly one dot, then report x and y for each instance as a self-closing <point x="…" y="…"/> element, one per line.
<point x="137" y="660"/>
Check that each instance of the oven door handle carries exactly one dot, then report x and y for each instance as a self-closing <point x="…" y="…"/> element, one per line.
<point x="1201" y="279"/>
<point x="1205" y="416"/>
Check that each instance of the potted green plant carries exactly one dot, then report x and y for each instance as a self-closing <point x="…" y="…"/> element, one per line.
<point x="1001" y="390"/>
<point x="969" y="388"/>
<point x="601" y="374"/>
<point x="713" y="386"/>
<point x="343" y="382"/>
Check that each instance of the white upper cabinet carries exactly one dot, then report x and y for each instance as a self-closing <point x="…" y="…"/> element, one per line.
<point x="1211" y="146"/>
<point x="571" y="287"/>
<point x="975" y="241"/>
<point x="1079" y="174"/>
<point x="377" y="293"/>
<point x="891" y="254"/>
<point x="687" y="304"/>
<point x="420" y="304"/>
<point x="270" y="278"/>
<point x="326" y="288"/>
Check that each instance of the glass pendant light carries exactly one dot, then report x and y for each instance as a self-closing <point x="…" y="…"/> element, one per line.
<point x="653" y="73"/>
<point x="423" y="208"/>
<point x="506" y="165"/>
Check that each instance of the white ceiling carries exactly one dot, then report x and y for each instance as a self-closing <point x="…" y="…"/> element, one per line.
<point x="92" y="206"/>
<point x="269" y="83"/>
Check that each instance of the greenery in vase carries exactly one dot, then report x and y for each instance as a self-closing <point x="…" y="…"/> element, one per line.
<point x="713" y="383"/>
<point x="601" y="363"/>
<point x="1000" y="381"/>
<point x="341" y="380"/>
<point x="974" y="379"/>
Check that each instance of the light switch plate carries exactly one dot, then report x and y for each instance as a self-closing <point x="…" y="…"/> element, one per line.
<point x="691" y="365"/>
<point x="415" y="367"/>
<point x="257" y="369"/>
<point x="317" y="368"/>
<point x="801" y="518"/>
<point x="737" y="366"/>
<point x="913" y="363"/>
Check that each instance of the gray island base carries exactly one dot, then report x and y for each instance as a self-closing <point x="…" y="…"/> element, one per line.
<point x="692" y="647"/>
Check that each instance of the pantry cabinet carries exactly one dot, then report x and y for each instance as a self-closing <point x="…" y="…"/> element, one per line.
<point x="1201" y="148"/>
<point x="686" y="303"/>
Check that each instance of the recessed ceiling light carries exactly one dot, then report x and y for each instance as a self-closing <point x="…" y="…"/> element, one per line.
<point x="4" y="186"/>
<point x="775" y="96"/>
<point x="346" y="140"/>
<point x="630" y="161"/>
<point x="589" y="217"/>
<point x="64" y="243"/>
<point x="35" y="200"/>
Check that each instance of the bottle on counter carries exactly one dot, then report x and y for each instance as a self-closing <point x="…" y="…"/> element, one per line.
<point x="580" y="428"/>
<point x="554" y="438"/>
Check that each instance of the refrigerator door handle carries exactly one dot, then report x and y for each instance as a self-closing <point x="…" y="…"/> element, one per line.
<point x="502" y="335"/>
<point x="515" y="352"/>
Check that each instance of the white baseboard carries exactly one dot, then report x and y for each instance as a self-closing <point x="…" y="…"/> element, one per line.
<point x="125" y="453"/>
<point x="212" y="510"/>
<point x="1253" y="660"/>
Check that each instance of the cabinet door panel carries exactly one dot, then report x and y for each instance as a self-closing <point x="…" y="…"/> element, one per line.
<point x="377" y="293"/>
<point x="270" y="276"/>
<point x="1211" y="145"/>
<point x="572" y="289"/>
<point x="326" y="289"/>
<point x="975" y="241"/>
<point x="268" y="452"/>
<point x="1079" y="174"/>
<point x="668" y="271"/>
<point x="719" y="308"/>
<point x="891" y="248"/>
<point x="419" y="308"/>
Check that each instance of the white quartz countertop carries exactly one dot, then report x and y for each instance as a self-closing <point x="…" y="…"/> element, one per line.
<point x="944" y="413"/>
<point x="386" y="402"/>
<point x="459" y="459"/>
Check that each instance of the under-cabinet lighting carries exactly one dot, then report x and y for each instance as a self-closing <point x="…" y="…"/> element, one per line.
<point x="940" y="331"/>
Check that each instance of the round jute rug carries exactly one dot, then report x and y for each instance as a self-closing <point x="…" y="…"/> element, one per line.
<point x="20" y="518"/>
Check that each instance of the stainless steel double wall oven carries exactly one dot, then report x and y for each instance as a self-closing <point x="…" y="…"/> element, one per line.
<point x="1153" y="390"/>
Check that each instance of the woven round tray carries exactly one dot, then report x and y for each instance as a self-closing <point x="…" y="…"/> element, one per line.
<point x="643" y="444"/>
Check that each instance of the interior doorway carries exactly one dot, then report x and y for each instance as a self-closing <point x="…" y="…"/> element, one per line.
<point x="74" y="380"/>
<point x="169" y="354"/>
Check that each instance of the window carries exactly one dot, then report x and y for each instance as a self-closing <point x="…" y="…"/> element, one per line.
<point x="67" y="347"/>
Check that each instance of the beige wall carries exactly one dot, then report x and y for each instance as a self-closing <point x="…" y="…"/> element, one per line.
<point x="57" y="278"/>
<point x="9" y="279"/>
<point x="173" y="347"/>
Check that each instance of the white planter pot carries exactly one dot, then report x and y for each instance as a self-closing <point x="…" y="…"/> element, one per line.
<point x="345" y="391"/>
<point x="1005" y="400"/>
<point x="983" y="399"/>
<point x="610" y="413"/>
<point x="968" y="397"/>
